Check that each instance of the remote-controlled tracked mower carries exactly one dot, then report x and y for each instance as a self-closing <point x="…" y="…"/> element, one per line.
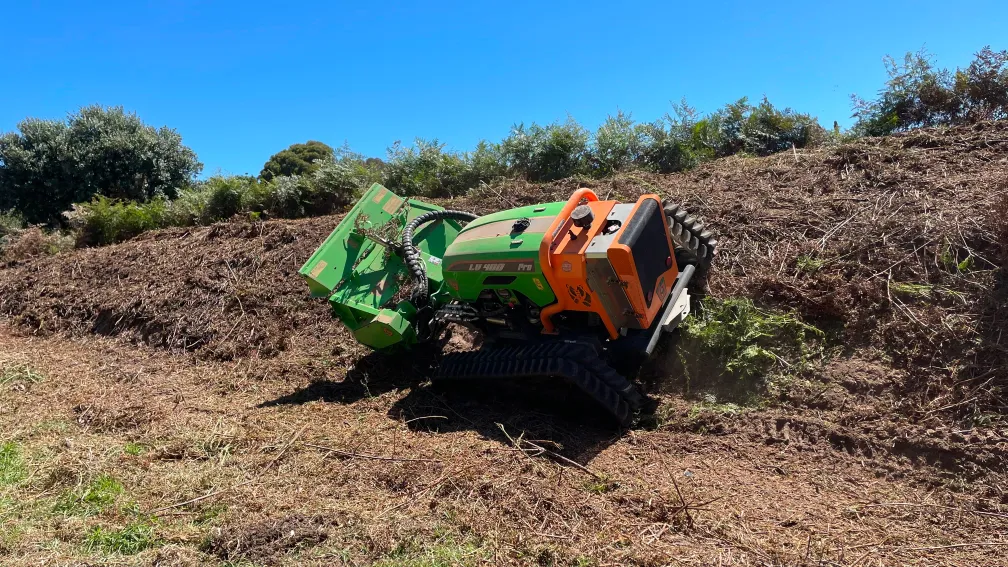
<point x="558" y="289"/>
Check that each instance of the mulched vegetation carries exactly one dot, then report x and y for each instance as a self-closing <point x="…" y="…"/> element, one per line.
<point x="893" y="246"/>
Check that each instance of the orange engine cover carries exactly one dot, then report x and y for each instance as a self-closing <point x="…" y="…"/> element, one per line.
<point x="620" y="266"/>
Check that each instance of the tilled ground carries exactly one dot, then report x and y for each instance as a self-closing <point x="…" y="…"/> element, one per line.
<point x="191" y="366"/>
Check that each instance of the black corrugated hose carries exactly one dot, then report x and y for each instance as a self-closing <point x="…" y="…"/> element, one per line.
<point x="411" y="255"/>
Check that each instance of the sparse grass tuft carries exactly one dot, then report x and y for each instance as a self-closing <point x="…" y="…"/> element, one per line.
<point x="446" y="552"/>
<point x="601" y="485"/>
<point x="911" y="289"/>
<point x="809" y="264"/>
<point x="99" y="494"/>
<point x="12" y="465"/>
<point x="750" y="341"/>
<point x="129" y="540"/>
<point x="134" y="449"/>
<point x="11" y="373"/>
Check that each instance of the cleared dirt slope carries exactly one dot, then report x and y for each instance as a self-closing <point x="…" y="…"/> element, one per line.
<point x="201" y="347"/>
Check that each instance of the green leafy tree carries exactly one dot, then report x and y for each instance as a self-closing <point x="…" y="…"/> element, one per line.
<point x="46" y="165"/>
<point x="299" y="159"/>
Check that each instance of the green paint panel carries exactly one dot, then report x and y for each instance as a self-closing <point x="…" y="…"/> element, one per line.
<point x="388" y="328"/>
<point x="356" y="268"/>
<point x="488" y="255"/>
<point x="360" y="275"/>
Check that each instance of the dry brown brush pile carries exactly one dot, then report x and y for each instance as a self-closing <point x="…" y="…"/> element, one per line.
<point x="885" y="242"/>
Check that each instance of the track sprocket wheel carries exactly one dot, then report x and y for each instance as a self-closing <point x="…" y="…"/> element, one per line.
<point x="694" y="242"/>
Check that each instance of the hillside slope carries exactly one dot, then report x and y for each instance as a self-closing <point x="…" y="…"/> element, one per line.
<point x="190" y="341"/>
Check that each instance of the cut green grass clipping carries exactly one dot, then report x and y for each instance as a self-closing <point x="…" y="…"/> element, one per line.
<point x="751" y="342"/>
<point x="12" y="465"/>
<point x="129" y="540"/>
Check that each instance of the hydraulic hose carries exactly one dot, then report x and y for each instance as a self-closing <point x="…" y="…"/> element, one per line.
<point x="411" y="254"/>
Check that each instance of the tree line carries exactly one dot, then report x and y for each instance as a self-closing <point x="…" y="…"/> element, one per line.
<point x="108" y="176"/>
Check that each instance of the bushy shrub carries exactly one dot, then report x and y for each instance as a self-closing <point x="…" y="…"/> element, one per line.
<point x="618" y="145"/>
<point x="918" y="94"/>
<point x="487" y="161"/>
<point x="741" y="128"/>
<point x="546" y="153"/>
<point x="286" y="195"/>
<point x="334" y="185"/>
<point x="767" y="130"/>
<point x="10" y="222"/>
<point x="670" y="144"/>
<point x="983" y="86"/>
<point x="190" y="207"/>
<point x="426" y="169"/>
<point x="33" y="241"/>
<point x="663" y="150"/>
<point x="216" y="198"/>
<point x="225" y="196"/>
<point x="338" y="182"/>
<point x="106" y="221"/>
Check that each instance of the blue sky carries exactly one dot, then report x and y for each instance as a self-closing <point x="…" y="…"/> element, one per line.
<point x="242" y="80"/>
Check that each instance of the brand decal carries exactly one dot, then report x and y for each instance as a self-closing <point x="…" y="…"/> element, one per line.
<point x="579" y="296"/>
<point x="520" y="266"/>
<point x="662" y="288"/>
<point x="317" y="269"/>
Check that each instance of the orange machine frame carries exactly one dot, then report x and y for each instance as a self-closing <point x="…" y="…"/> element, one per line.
<point x="562" y="260"/>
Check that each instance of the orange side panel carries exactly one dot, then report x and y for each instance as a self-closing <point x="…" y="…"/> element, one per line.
<point x="622" y="260"/>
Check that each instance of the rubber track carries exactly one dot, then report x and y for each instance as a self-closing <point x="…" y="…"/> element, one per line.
<point x="577" y="363"/>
